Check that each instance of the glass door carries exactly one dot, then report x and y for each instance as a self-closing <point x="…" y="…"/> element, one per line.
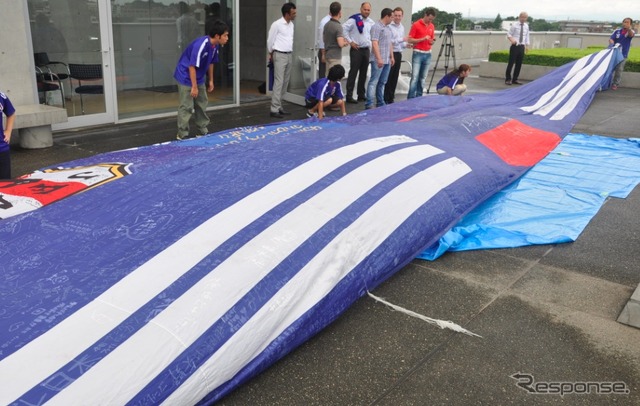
<point x="71" y="39"/>
<point x="303" y="72"/>
<point x="149" y="37"/>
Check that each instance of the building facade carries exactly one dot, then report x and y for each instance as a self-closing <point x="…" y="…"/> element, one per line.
<point x="133" y="45"/>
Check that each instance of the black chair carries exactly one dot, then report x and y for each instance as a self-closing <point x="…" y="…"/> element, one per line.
<point x="48" y="82"/>
<point x="58" y="71"/>
<point x="86" y="73"/>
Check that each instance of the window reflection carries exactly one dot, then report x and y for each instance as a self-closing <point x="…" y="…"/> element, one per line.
<point x="64" y="32"/>
<point x="149" y="37"/>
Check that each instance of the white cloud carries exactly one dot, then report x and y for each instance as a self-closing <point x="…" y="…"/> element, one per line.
<point x="548" y="9"/>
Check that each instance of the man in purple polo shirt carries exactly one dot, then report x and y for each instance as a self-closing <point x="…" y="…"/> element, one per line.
<point x="622" y="36"/>
<point x="8" y="110"/>
<point x="195" y="64"/>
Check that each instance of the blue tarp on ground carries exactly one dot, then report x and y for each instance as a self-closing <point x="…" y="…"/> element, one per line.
<point x="554" y="201"/>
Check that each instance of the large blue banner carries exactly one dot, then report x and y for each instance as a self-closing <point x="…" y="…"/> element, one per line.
<point x="183" y="269"/>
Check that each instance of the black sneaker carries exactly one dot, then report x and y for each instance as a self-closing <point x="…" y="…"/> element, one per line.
<point x="352" y="101"/>
<point x="310" y="114"/>
<point x="276" y="115"/>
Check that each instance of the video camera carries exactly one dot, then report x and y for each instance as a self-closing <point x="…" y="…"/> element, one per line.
<point x="448" y="28"/>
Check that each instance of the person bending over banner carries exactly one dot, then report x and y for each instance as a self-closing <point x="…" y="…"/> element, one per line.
<point x="192" y="70"/>
<point x="326" y="93"/>
<point x="452" y="83"/>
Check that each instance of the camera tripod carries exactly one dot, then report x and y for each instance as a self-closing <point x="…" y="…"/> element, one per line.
<point x="449" y="49"/>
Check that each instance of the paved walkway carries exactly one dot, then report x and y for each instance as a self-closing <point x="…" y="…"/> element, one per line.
<point x="547" y="313"/>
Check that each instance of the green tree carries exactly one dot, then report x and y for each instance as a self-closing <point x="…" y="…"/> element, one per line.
<point x="543" y="25"/>
<point x="443" y="18"/>
<point x="497" y="23"/>
<point x="487" y="25"/>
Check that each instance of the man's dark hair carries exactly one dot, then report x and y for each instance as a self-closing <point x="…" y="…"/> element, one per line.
<point x="218" y="27"/>
<point x="430" y="11"/>
<point x="287" y="7"/>
<point x="184" y="8"/>
<point x="335" y="73"/>
<point x="335" y="8"/>
<point x="386" y="12"/>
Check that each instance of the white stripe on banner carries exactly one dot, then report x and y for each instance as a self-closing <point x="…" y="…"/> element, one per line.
<point x="576" y="81"/>
<point x="318" y="278"/>
<point x="43" y="356"/>
<point x="580" y="64"/>
<point x="147" y="352"/>
<point x="595" y="77"/>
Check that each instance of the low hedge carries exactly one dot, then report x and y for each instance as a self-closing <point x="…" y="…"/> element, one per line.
<point x="561" y="56"/>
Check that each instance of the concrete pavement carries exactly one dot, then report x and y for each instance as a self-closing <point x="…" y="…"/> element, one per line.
<point x="546" y="313"/>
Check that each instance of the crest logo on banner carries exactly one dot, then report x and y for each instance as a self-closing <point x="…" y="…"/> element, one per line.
<point x="40" y="188"/>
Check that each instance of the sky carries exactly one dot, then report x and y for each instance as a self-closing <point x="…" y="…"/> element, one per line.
<point x="596" y="10"/>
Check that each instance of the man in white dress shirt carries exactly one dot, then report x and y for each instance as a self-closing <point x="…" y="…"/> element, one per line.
<point x="280" y="47"/>
<point x="518" y="35"/>
<point x="399" y="43"/>
<point x="357" y="32"/>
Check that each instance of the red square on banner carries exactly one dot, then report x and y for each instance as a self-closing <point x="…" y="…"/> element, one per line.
<point x="518" y="144"/>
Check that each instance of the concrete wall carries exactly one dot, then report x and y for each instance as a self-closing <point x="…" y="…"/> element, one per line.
<point x="472" y="47"/>
<point x="531" y="72"/>
<point x="17" y="70"/>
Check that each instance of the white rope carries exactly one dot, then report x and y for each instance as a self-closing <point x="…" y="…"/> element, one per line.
<point x="440" y="323"/>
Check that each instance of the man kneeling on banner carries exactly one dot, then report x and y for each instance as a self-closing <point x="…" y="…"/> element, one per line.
<point x="326" y="93"/>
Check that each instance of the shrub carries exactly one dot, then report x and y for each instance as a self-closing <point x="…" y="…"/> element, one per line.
<point x="561" y="56"/>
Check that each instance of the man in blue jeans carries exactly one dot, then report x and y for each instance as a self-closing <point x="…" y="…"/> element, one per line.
<point x="381" y="59"/>
<point x="422" y="35"/>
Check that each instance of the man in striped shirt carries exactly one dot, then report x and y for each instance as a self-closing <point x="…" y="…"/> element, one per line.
<point x="381" y="59"/>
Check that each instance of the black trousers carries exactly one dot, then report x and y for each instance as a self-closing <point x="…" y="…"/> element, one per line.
<point x="359" y="59"/>
<point x="516" y="55"/>
<point x="5" y="165"/>
<point x="392" y="81"/>
<point x="322" y="67"/>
